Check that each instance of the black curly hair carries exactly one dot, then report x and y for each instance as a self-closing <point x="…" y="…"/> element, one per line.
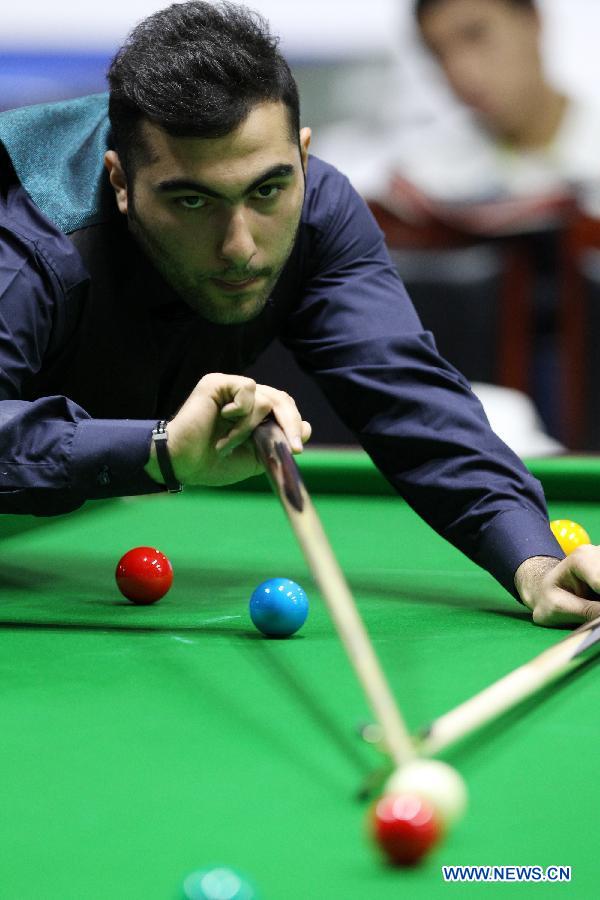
<point x="196" y="69"/>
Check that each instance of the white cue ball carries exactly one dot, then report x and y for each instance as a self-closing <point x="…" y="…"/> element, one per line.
<point x="437" y="782"/>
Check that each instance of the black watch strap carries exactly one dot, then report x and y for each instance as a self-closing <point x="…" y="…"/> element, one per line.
<point x="163" y="457"/>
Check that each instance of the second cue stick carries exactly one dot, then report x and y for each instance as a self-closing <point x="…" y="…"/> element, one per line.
<point x="287" y="483"/>
<point x="506" y="693"/>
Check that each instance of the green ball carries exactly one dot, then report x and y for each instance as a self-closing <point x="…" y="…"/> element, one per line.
<point x="219" y="883"/>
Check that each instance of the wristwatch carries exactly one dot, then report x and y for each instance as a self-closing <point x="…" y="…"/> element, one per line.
<point x="163" y="457"/>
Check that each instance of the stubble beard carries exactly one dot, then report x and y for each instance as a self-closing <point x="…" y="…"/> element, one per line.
<point x="198" y="293"/>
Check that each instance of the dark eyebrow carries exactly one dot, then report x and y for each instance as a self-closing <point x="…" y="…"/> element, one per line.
<point x="189" y="184"/>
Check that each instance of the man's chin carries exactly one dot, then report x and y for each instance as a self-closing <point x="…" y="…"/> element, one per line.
<point x="229" y="309"/>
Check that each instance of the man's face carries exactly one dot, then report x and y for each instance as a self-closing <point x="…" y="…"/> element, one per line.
<point x="218" y="216"/>
<point x="489" y="51"/>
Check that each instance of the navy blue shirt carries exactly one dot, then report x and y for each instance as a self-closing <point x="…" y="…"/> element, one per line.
<point x="94" y="347"/>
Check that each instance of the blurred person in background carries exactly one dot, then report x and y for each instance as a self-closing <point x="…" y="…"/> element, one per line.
<point x="512" y="135"/>
<point x="517" y="135"/>
<point x="515" y="158"/>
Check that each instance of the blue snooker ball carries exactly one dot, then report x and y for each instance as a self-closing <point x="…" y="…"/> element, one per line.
<point x="278" y="607"/>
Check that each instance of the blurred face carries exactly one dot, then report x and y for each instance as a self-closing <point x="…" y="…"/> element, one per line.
<point x="489" y="51"/>
<point x="218" y="216"/>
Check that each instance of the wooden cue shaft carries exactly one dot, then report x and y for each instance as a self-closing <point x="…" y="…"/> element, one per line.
<point x="287" y="484"/>
<point x="510" y="690"/>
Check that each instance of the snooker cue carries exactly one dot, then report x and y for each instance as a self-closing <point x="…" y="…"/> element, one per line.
<point x="509" y="691"/>
<point x="287" y="483"/>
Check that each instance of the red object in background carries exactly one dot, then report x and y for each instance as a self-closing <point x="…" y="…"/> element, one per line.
<point x="497" y="217"/>
<point x="405" y="827"/>
<point x="144" y="575"/>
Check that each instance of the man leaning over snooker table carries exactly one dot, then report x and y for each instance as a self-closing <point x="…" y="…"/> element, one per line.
<point x="143" y="256"/>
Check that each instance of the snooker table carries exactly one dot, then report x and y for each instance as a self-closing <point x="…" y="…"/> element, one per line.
<point x="141" y="743"/>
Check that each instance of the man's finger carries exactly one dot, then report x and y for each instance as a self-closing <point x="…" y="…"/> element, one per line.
<point x="306" y="432"/>
<point x="583" y="564"/>
<point x="567" y="609"/>
<point x="289" y="420"/>
<point x="243" y="401"/>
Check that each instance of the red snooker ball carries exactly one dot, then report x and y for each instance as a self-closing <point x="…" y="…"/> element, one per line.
<point x="405" y="827"/>
<point x="144" y="575"/>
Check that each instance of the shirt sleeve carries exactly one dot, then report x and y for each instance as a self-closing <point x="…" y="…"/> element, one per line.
<point x="53" y="455"/>
<point x="356" y="331"/>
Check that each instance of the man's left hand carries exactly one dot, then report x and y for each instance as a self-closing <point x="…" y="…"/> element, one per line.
<point x="561" y="592"/>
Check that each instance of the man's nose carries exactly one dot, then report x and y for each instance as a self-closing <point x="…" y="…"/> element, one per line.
<point x="237" y="246"/>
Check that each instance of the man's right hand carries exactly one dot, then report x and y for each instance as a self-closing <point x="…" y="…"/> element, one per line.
<point x="210" y="438"/>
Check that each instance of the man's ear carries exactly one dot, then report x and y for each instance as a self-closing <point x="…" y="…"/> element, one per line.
<point x="305" y="136"/>
<point x="117" y="178"/>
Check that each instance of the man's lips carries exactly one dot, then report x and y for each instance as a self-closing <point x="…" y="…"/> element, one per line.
<point x="228" y="284"/>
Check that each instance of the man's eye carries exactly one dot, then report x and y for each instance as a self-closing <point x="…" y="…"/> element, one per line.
<point x="268" y="191"/>
<point x="191" y="202"/>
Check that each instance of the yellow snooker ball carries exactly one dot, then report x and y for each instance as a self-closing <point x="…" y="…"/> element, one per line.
<point x="569" y="534"/>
